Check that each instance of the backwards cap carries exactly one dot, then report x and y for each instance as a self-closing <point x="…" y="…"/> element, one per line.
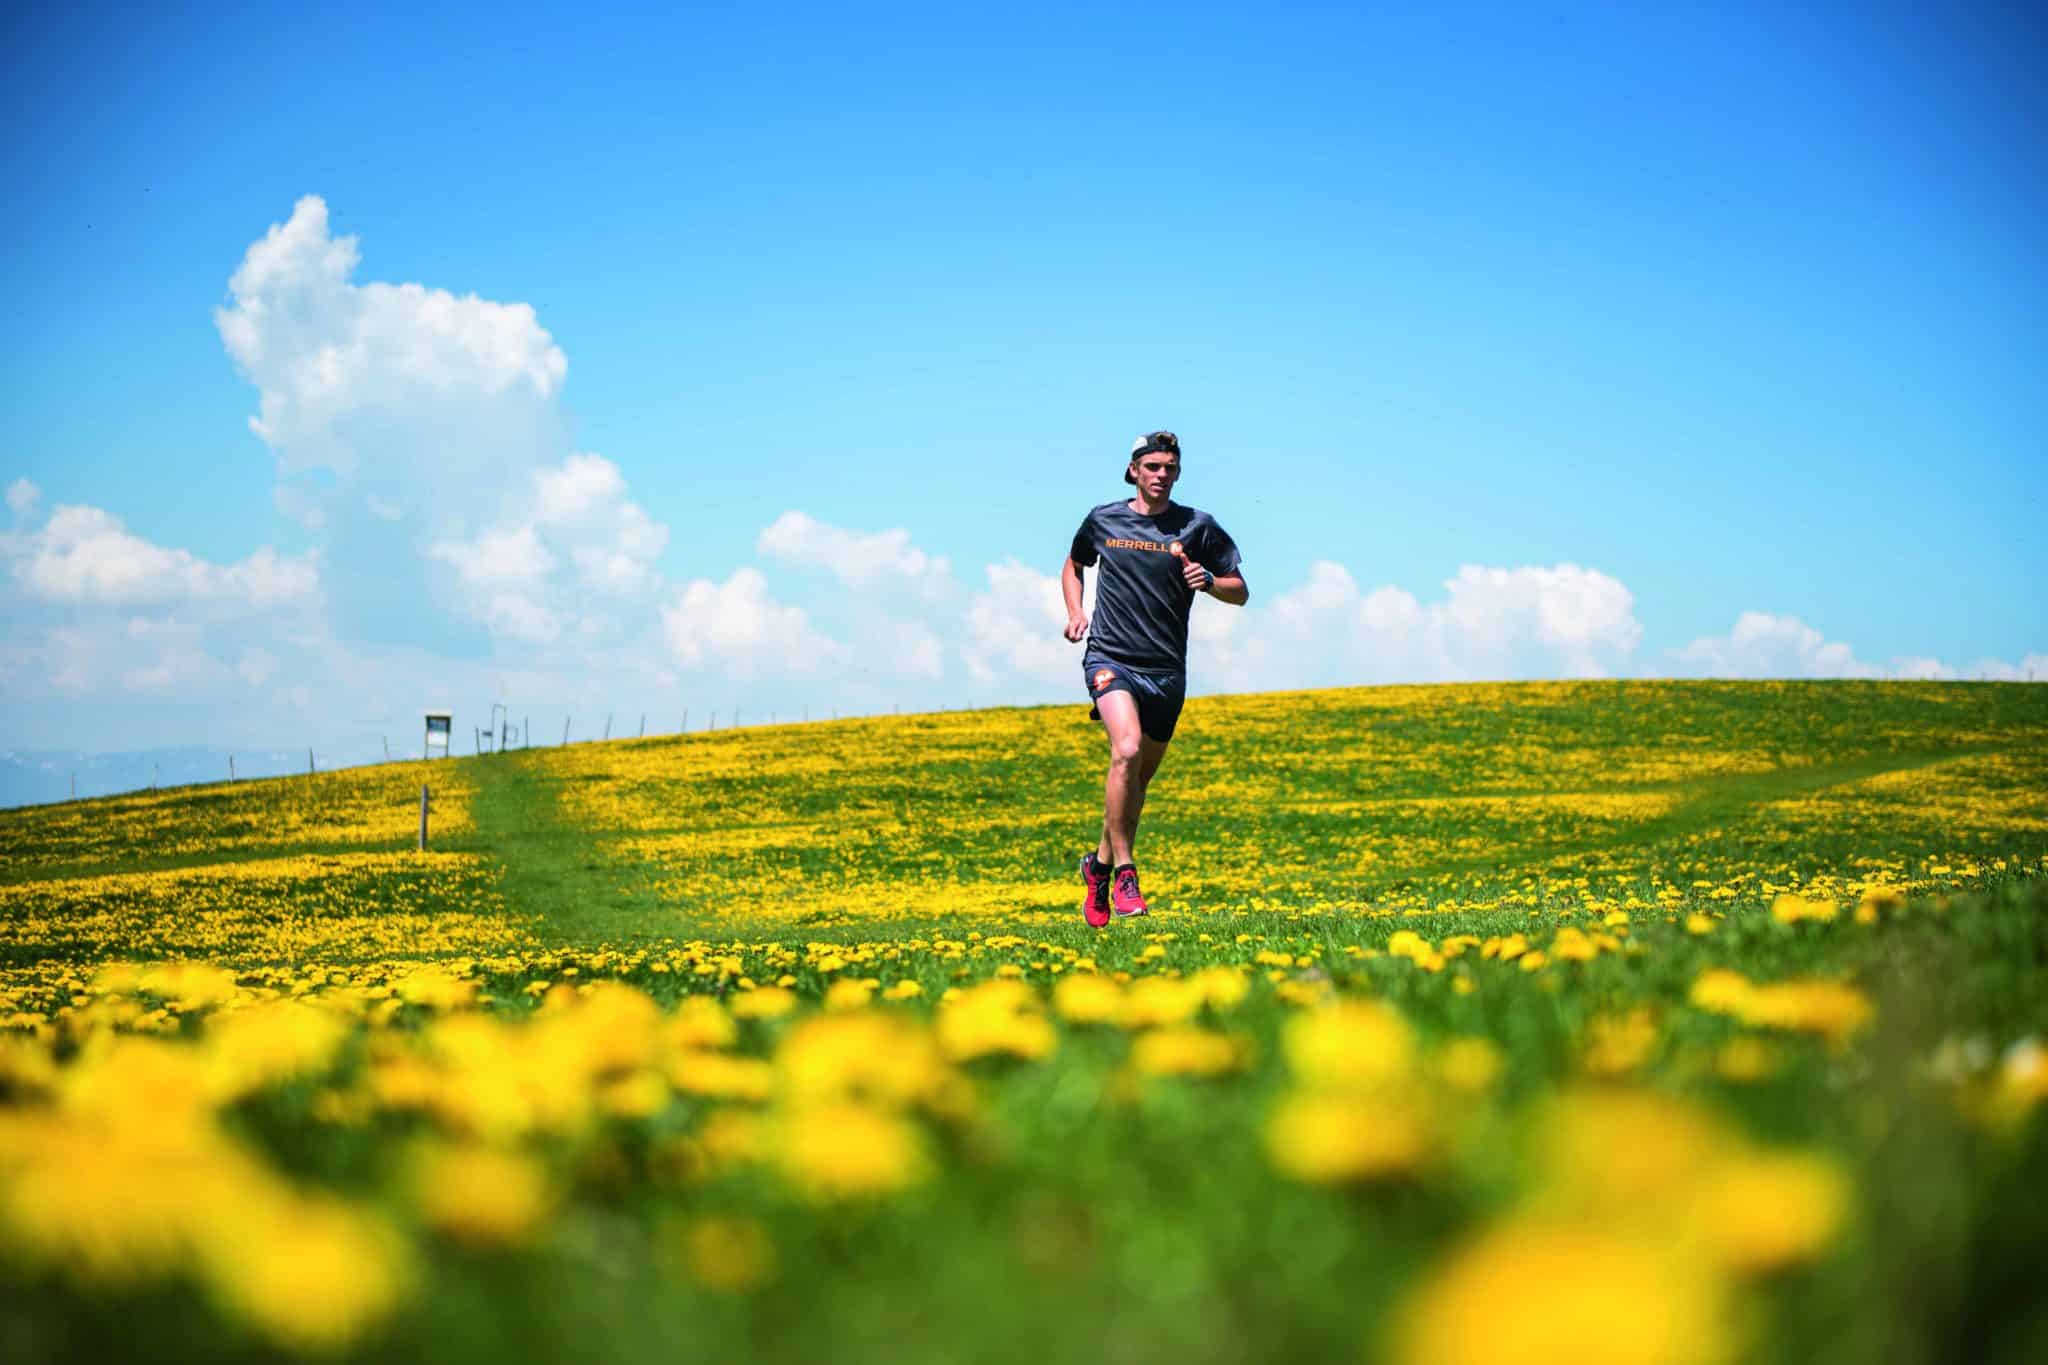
<point x="1150" y="443"/>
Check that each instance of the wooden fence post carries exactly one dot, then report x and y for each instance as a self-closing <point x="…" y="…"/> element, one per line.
<point x="423" y="817"/>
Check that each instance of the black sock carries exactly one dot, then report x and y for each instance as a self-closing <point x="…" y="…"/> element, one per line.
<point x="1121" y="866"/>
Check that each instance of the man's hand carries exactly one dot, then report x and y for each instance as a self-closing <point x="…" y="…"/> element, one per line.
<point x="1077" y="626"/>
<point x="1197" y="577"/>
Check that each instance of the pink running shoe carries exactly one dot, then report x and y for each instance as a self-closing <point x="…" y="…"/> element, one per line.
<point x="1094" y="876"/>
<point x="1124" y="897"/>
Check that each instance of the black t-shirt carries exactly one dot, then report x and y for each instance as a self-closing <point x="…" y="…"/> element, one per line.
<point x="1141" y="600"/>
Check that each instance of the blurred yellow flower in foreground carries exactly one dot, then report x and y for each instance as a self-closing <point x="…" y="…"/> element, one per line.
<point x="1187" y="1052"/>
<point x="312" y="1274"/>
<point x="1334" y="1138"/>
<point x="849" y="1151"/>
<point x="996" y="1017"/>
<point x="1767" y="1211"/>
<point x="1795" y="909"/>
<point x="1543" y="1293"/>
<point x="1828" y="1008"/>
<point x="881" y="1058"/>
<point x="765" y="1002"/>
<point x="1469" y="1064"/>
<point x="1354" y="1044"/>
<point x="1088" y="998"/>
<point x="480" y="1195"/>
<point x="1619" y="1152"/>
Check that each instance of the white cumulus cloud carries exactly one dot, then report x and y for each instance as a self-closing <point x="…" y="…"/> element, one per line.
<point x="1525" y="622"/>
<point x="739" y="627"/>
<point x="22" y="498"/>
<point x="858" y="559"/>
<point x="576" y="511"/>
<point x="1013" y="628"/>
<point x="338" y="365"/>
<point x="1763" y="645"/>
<point x="85" y="555"/>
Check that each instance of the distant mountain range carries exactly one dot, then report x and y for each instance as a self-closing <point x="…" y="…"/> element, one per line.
<point x="34" y="778"/>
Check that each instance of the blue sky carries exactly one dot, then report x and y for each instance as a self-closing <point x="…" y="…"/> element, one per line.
<point x="1695" y="340"/>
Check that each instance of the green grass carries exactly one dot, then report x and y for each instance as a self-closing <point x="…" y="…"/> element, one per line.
<point x="1089" y="1213"/>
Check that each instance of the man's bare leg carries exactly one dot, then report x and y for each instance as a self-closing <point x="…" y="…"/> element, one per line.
<point x="1133" y="758"/>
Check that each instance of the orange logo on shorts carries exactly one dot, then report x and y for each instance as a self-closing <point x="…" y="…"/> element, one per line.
<point x="1103" y="678"/>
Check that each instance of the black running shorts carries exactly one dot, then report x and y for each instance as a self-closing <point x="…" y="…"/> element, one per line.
<point x="1159" y="695"/>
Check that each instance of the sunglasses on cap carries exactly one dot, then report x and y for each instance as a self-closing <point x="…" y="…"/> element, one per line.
<point x="1154" y="442"/>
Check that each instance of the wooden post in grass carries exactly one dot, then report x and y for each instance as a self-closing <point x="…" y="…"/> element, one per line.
<point x="387" y="747"/>
<point x="565" y="730"/>
<point x="74" y="786"/>
<point x="423" y="817"/>
<point x="309" y="761"/>
<point x="231" y="767"/>
<point x="686" y="722"/>
<point x="643" y="725"/>
<point x="526" y="732"/>
<point x="607" y="725"/>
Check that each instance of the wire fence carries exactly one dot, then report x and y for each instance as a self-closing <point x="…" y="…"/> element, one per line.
<point x="123" y="775"/>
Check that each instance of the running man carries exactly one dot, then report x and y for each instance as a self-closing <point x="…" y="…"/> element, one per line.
<point x="1154" y="556"/>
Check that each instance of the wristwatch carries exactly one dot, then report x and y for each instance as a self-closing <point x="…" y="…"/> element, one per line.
<point x="1210" y="574"/>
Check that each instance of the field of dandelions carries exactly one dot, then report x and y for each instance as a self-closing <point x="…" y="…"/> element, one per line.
<point x="1605" y="1022"/>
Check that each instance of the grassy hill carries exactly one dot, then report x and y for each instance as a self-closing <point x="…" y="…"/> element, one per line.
<point x="790" y="1039"/>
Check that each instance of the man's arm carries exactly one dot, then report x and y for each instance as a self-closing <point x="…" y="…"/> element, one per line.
<point x="1230" y="589"/>
<point x="1223" y="587"/>
<point x="1070" y="588"/>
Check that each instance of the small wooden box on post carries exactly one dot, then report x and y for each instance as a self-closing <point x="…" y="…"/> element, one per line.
<point x="440" y="724"/>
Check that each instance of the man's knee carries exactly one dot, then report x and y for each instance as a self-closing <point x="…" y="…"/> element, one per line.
<point x="1124" y="750"/>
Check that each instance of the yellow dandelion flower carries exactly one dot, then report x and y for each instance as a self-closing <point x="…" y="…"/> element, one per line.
<point x="699" y="1022"/>
<point x="763" y="1002"/>
<point x="1533" y="1293"/>
<point x="718" y="1075"/>
<point x="849" y="1151"/>
<point x="1470" y="1064"/>
<point x="1791" y="908"/>
<point x="482" y="1196"/>
<point x="1354" y="1044"/>
<point x="1187" y="1052"/>
<point x="995" y="1018"/>
<point x="1618" y="1044"/>
<point x="1336" y="1138"/>
<point x="879" y="1057"/>
<point x="310" y="1274"/>
<point x="1088" y="998"/>
<point x="1766" y="1212"/>
<point x="848" y="994"/>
